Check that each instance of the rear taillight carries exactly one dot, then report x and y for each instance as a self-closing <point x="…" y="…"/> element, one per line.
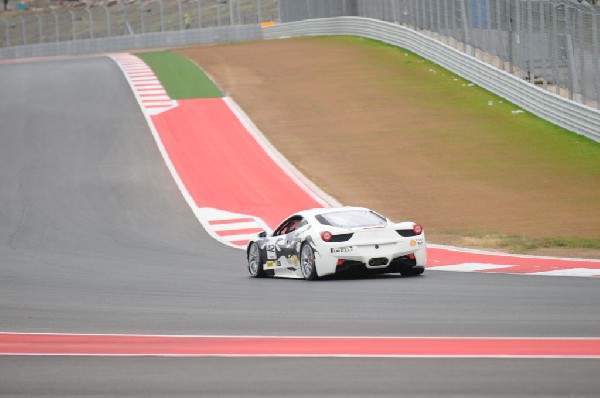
<point x="326" y="236"/>
<point x="341" y="237"/>
<point x="417" y="229"/>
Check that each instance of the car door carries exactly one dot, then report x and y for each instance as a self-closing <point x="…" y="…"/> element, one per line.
<point x="283" y="246"/>
<point x="271" y="249"/>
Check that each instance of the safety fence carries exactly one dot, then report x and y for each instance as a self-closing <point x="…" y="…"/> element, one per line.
<point x="557" y="109"/>
<point x="138" y="41"/>
<point x="551" y="43"/>
<point x="50" y="22"/>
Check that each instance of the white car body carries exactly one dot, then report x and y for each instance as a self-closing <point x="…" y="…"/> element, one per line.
<point x="359" y="238"/>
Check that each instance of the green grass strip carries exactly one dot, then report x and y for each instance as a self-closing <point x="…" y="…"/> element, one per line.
<point x="179" y="76"/>
<point x="521" y="244"/>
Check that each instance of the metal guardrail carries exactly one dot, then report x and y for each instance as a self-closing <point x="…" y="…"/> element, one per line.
<point x="551" y="43"/>
<point x="559" y="110"/>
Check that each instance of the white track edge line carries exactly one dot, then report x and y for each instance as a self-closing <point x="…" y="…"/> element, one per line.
<point x="588" y="357"/>
<point x="506" y="338"/>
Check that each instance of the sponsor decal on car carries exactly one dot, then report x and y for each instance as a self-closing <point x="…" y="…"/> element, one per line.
<point x="418" y="242"/>
<point x="342" y="249"/>
<point x="273" y="264"/>
<point x="295" y="262"/>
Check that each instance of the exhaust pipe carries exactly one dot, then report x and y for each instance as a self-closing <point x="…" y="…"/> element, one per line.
<point x="378" y="261"/>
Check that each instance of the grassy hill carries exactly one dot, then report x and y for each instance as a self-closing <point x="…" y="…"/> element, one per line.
<point x="378" y="126"/>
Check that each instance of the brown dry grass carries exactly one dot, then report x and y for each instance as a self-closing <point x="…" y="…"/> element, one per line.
<point x="376" y="127"/>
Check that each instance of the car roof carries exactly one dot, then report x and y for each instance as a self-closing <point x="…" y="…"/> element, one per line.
<point x="326" y="210"/>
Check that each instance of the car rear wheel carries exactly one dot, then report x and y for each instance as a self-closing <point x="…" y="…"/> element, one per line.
<point x="255" y="263"/>
<point x="307" y="262"/>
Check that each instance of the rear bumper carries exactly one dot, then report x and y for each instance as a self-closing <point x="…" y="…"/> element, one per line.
<point x="386" y="258"/>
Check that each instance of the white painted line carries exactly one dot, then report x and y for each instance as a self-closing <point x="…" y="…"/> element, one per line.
<point x="282" y="336"/>
<point x="307" y="356"/>
<point x="151" y="102"/>
<point x="144" y="92"/>
<point x="234" y="238"/>
<point x="207" y="215"/>
<point x="148" y="98"/>
<point x="468" y="267"/>
<point x="585" y="272"/>
<point x="157" y="107"/>
<point x="150" y="79"/>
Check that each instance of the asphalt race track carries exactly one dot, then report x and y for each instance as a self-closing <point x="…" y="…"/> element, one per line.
<point x="96" y="238"/>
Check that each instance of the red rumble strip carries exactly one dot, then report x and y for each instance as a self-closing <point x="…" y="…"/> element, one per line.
<point x="134" y="345"/>
<point x="223" y="167"/>
<point x="446" y="259"/>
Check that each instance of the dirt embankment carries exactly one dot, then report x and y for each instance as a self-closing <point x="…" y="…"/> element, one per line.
<point x="377" y="127"/>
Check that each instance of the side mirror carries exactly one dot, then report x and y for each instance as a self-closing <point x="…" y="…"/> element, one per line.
<point x="262" y="234"/>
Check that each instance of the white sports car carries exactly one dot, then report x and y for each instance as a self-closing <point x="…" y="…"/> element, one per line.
<point x="324" y="241"/>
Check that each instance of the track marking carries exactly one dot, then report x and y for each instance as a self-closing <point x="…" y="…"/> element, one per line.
<point x="444" y="258"/>
<point x="140" y="76"/>
<point x="283" y="346"/>
<point x="470" y="267"/>
<point x="230" y="228"/>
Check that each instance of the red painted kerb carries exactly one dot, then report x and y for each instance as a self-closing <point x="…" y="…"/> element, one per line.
<point x="77" y="344"/>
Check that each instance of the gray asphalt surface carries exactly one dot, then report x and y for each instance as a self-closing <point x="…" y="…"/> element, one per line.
<point x="96" y="238"/>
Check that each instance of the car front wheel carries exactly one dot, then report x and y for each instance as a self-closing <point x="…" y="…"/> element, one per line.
<point x="307" y="262"/>
<point x="255" y="263"/>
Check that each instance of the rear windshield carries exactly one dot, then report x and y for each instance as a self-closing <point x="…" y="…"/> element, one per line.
<point x="352" y="219"/>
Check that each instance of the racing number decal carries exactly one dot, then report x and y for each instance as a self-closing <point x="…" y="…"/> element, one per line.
<point x="271" y="255"/>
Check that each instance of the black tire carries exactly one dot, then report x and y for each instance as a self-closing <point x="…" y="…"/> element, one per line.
<point x="307" y="262"/>
<point x="255" y="261"/>
<point x="413" y="271"/>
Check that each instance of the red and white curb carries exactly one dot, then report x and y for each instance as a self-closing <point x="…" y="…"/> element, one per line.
<point x="148" y="90"/>
<point x="283" y="346"/>
<point x="446" y="258"/>
<point x="233" y="229"/>
<point x="502" y="269"/>
<point x="219" y="224"/>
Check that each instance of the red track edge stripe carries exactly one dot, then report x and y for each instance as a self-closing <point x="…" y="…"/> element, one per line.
<point x="126" y="345"/>
<point x="231" y="221"/>
<point x="238" y="231"/>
